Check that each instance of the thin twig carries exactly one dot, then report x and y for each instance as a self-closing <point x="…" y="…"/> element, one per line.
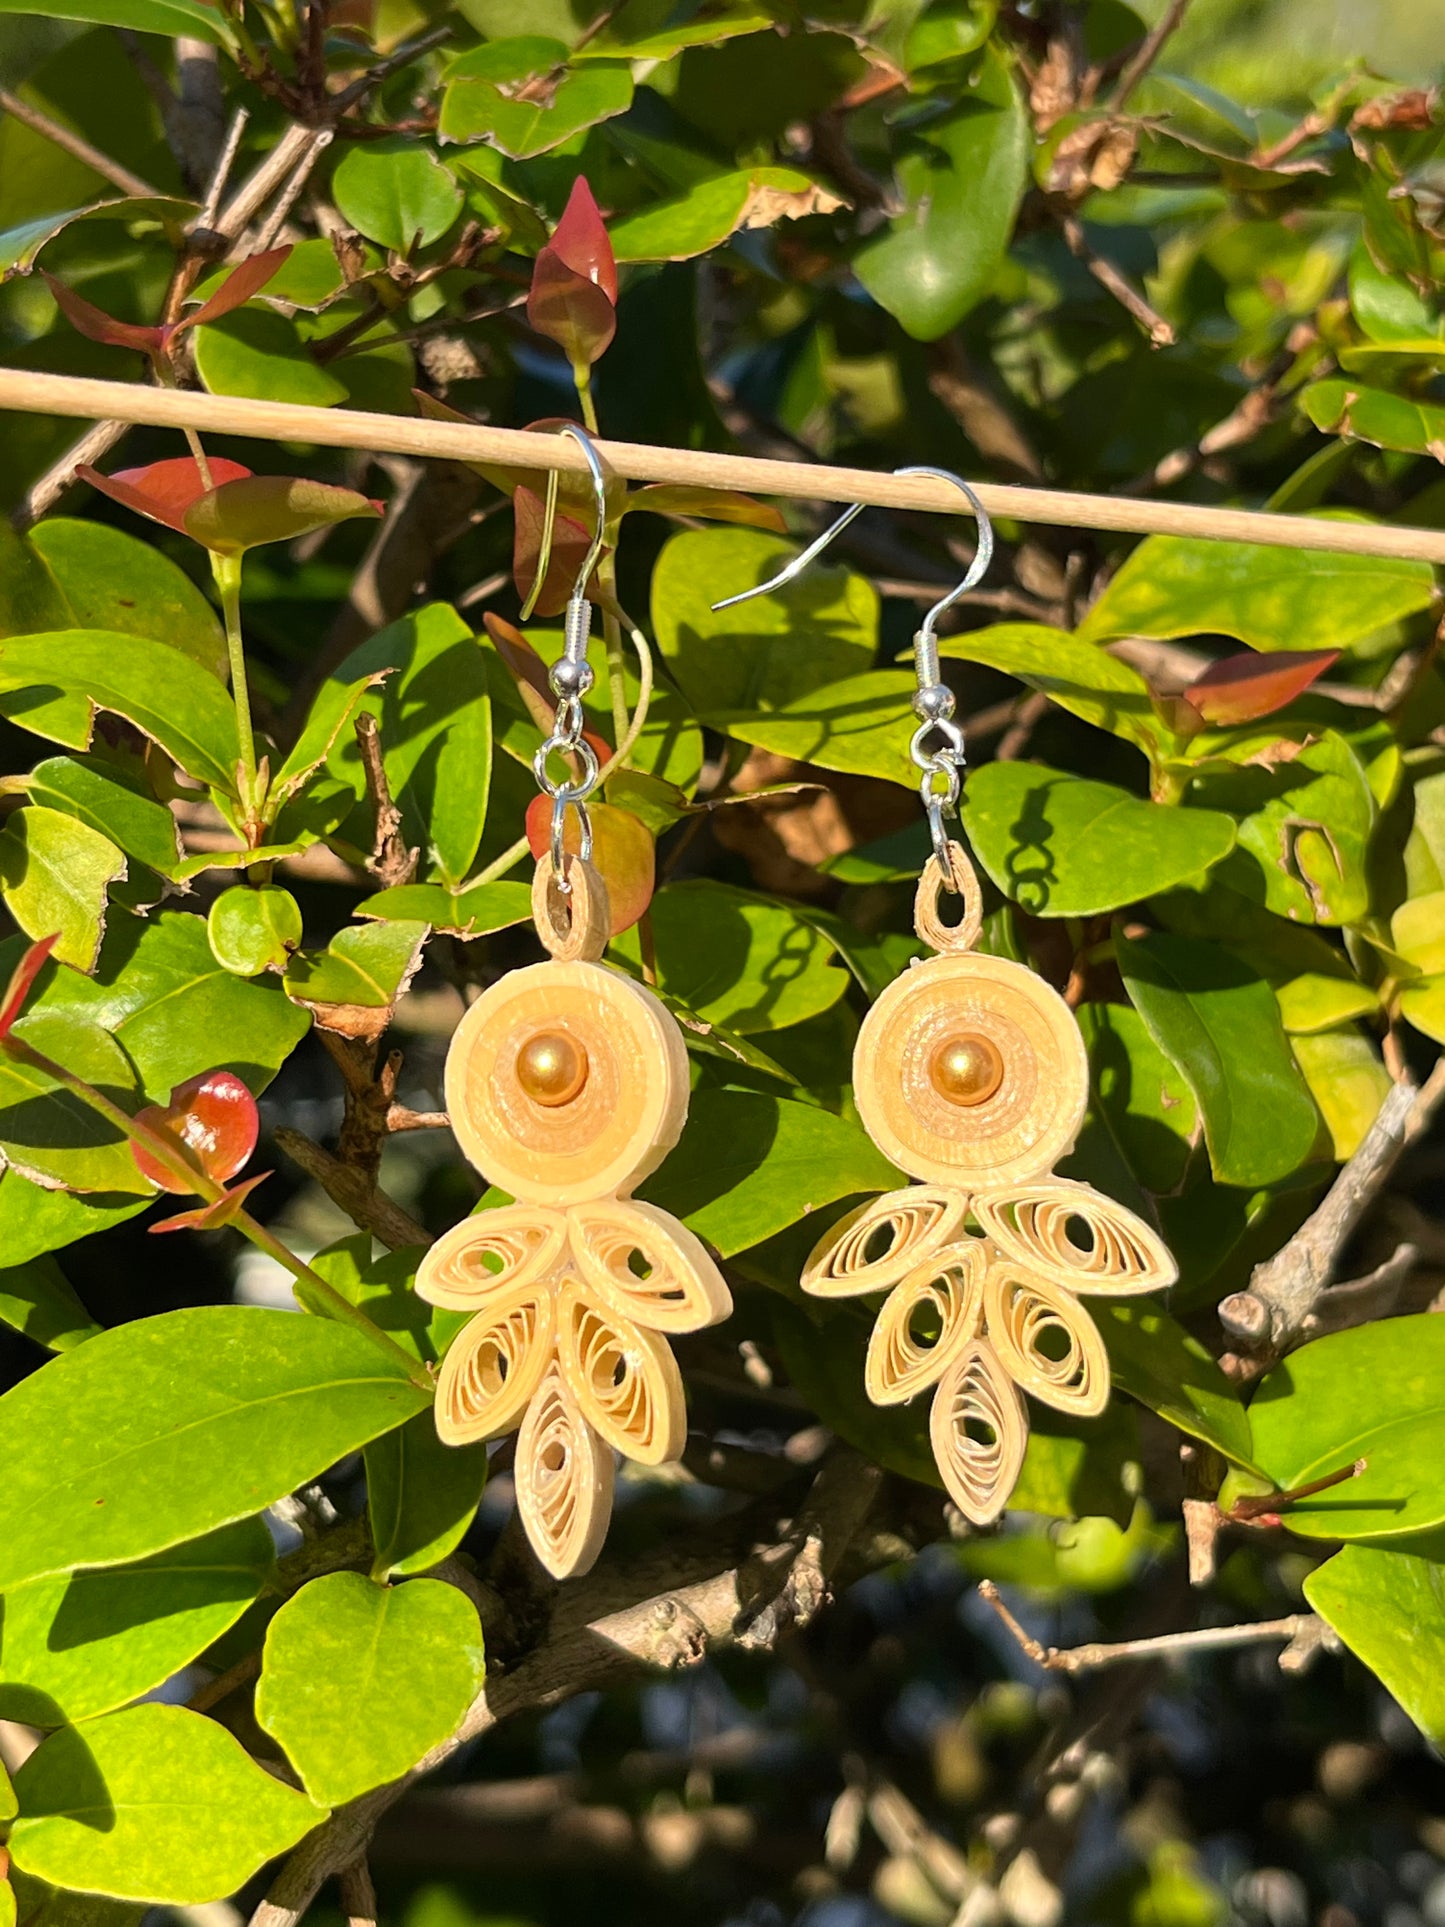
<point x="1205" y="1639"/>
<point x="358" y="1896"/>
<point x="1159" y="331"/>
<point x="1150" y="48"/>
<point x="287" y="198"/>
<point x="224" y="1684"/>
<point x="367" y="1206"/>
<point x="77" y="145"/>
<point x="390" y="862"/>
<point x="221" y="172"/>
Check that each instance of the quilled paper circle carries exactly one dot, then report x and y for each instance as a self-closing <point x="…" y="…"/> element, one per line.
<point x="1018" y="1131"/>
<point x="625" y="1117"/>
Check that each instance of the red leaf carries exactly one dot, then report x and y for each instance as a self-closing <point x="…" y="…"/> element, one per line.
<point x="255" y="509"/>
<point x="531" y="676"/>
<point x="1240" y="688"/>
<point x="21" y="978"/>
<point x="570" y="543"/>
<point x="207" y="1217"/>
<point x="213" y="1117"/>
<point x="622" y="851"/>
<point x="238" y="287"/>
<point x="570" y="309"/>
<point x="581" y="240"/>
<point x="93" y="321"/>
<point x="165" y="490"/>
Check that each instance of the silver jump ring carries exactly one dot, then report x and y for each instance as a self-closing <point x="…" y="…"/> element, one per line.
<point x="567" y="791"/>
<point x="951" y="750"/>
<point x="559" y="825"/>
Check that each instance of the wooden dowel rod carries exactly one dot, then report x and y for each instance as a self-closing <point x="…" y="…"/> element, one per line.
<point x="457" y="441"/>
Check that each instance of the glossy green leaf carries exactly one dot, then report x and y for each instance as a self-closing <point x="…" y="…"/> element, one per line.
<point x="1376" y="415"/>
<point x="748" y="1166"/>
<point x="38" y="1299"/>
<point x="435" y="718"/>
<point x="256" y="509"/>
<point x="1347" y="1080"/>
<point x="1270" y="598"/>
<point x="1079" y="1468"/>
<point x="35" y="1220"/>
<point x="111" y="803"/>
<point x="155" y="1803"/>
<point x="1374" y="1392"/>
<point x="260" y="353"/>
<point x="1076" y="674"/>
<point x="1417" y="932"/>
<point x="1156" y="1361"/>
<point x="163" y="1429"/>
<point x="962" y="176"/>
<point x="1389" y="1609"/>
<point x="423" y="1496"/>
<point x="30" y="597"/>
<point x="860" y="726"/>
<point x="711" y="210"/>
<point x="363" y="968"/>
<point x="55" y="872"/>
<point x="480" y="102"/>
<point x="50" y="1134"/>
<point x="737" y="959"/>
<point x="8" y="1804"/>
<point x="251" y="930"/>
<point x="383" y="1289"/>
<point x="396" y="193"/>
<point x="1422" y="1004"/>
<point x="1139" y="1097"/>
<point x="54" y="683"/>
<point x="84" y="1643"/>
<point x="469" y="913"/>
<point x="20" y="246"/>
<point x="823" y="1348"/>
<point x="360" y="1681"/>
<point x="191" y="18"/>
<point x="114" y="580"/>
<point x="1063" y="846"/>
<point x="45" y="1906"/>
<point x="1217" y="1021"/>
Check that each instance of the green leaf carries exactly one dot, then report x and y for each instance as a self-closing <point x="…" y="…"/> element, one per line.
<point x="30" y="597"/>
<point x="1062" y="846"/>
<point x="1079" y="1468"/>
<point x="469" y="913"/>
<point x="48" y="1133"/>
<point x="251" y="930"/>
<point x="331" y="716"/>
<point x="1156" y="1361"/>
<point x="257" y="352"/>
<point x="702" y="219"/>
<point x="1375" y="415"/>
<point x="54" y="875"/>
<point x="749" y="1165"/>
<point x="8" y="1804"/>
<point x="85" y="1643"/>
<point x="38" y="1299"/>
<point x="962" y="178"/>
<point x="755" y="658"/>
<point x="1139" y="1097"/>
<point x="737" y="959"/>
<point x="363" y="969"/>
<point x="383" y="1289"/>
<point x="115" y="581"/>
<point x="435" y="719"/>
<point x="35" y="1220"/>
<point x="20" y="245"/>
<point x="161" y="994"/>
<point x="44" y="1906"/>
<point x="1218" y="1023"/>
<point x="823" y="1348"/>
<point x="480" y="102"/>
<point x="1389" y="1609"/>
<point x="1375" y="1392"/>
<point x="1422" y="1004"/>
<point x="161" y="1430"/>
<point x="860" y="726"/>
<point x="111" y="803"/>
<point x="154" y="1804"/>
<point x="1417" y="932"/>
<point x="396" y="193"/>
<point x="190" y="18"/>
<point x="1348" y="1081"/>
<point x="1306" y="823"/>
<point x="1076" y="674"/>
<point x="166" y="694"/>
<point x="361" y="1681"/>
<point x="1270" y="598"/>
<point x="423" y="1496"/>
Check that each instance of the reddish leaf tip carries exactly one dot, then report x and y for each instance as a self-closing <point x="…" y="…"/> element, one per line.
<point x="21" y="979"/>
<point x="1239" y="689"/>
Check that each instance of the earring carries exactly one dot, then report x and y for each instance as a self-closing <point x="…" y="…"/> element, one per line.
<point x="567" y="1085"/>
<point x="971" y="1074"/>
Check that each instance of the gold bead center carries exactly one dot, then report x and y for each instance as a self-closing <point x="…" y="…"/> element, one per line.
<point x="552" y="1068"/>
<point x="965" y="1069"/>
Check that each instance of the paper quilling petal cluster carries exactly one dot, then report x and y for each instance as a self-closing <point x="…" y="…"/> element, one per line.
<point x="971" y="1073"/>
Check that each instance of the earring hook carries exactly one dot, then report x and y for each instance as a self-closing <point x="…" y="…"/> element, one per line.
<point x="933" y="705"/>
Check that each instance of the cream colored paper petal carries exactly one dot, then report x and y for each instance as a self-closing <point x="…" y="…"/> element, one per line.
<point x="494" y="1365"/>
<point x="486" y="1257"/>
<point x="563" y="1474"/>
<point x="979" y="1428"/>
<point x="1076" y="1236"/>
<point x="1046" y="1340"/>
<point x="647" y="1267"/>
<point x="624" y="1379"/>
<point x="882" y="1241"/>
<point x="925" y="1322"/>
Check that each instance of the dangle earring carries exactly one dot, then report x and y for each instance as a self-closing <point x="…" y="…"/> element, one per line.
<point x="567" y="1085"/>
<point x="971" y="1074"/>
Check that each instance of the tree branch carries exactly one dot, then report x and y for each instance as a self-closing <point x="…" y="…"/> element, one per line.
<point x="1305" y="1632"/>
<point x="391" y="862"/>
<point x="776" y="1587"/>
<point x="367" y="1206"/>
<point x="1150" y="47"/>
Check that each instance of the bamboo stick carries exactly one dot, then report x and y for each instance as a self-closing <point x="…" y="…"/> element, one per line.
<point x="456" y="441"/>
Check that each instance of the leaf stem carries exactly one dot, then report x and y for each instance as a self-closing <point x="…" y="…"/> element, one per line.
<point x="499" y="866"/>
<point x="169" y="1154"/>
<point x="227" y="571"/>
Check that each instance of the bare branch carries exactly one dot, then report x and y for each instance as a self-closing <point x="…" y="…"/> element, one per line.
<point x="390" y="862"/>
<point x="1159" y="331"/>
<point x="354" y="1191"/>
<point x="1205" y="1639"/>
<point x="287" y="198"/>
<point x="1150" y="48"/>
<point x="358" y="1896"/>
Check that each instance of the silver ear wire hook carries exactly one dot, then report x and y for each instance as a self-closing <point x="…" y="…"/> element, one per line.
<point x="571" y="678"/>
<point x="934" y="703"/>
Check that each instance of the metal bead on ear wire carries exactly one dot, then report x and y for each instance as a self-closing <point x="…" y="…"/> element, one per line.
<point x="567" y="1085"/>
<point x="970" y="1073"/>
